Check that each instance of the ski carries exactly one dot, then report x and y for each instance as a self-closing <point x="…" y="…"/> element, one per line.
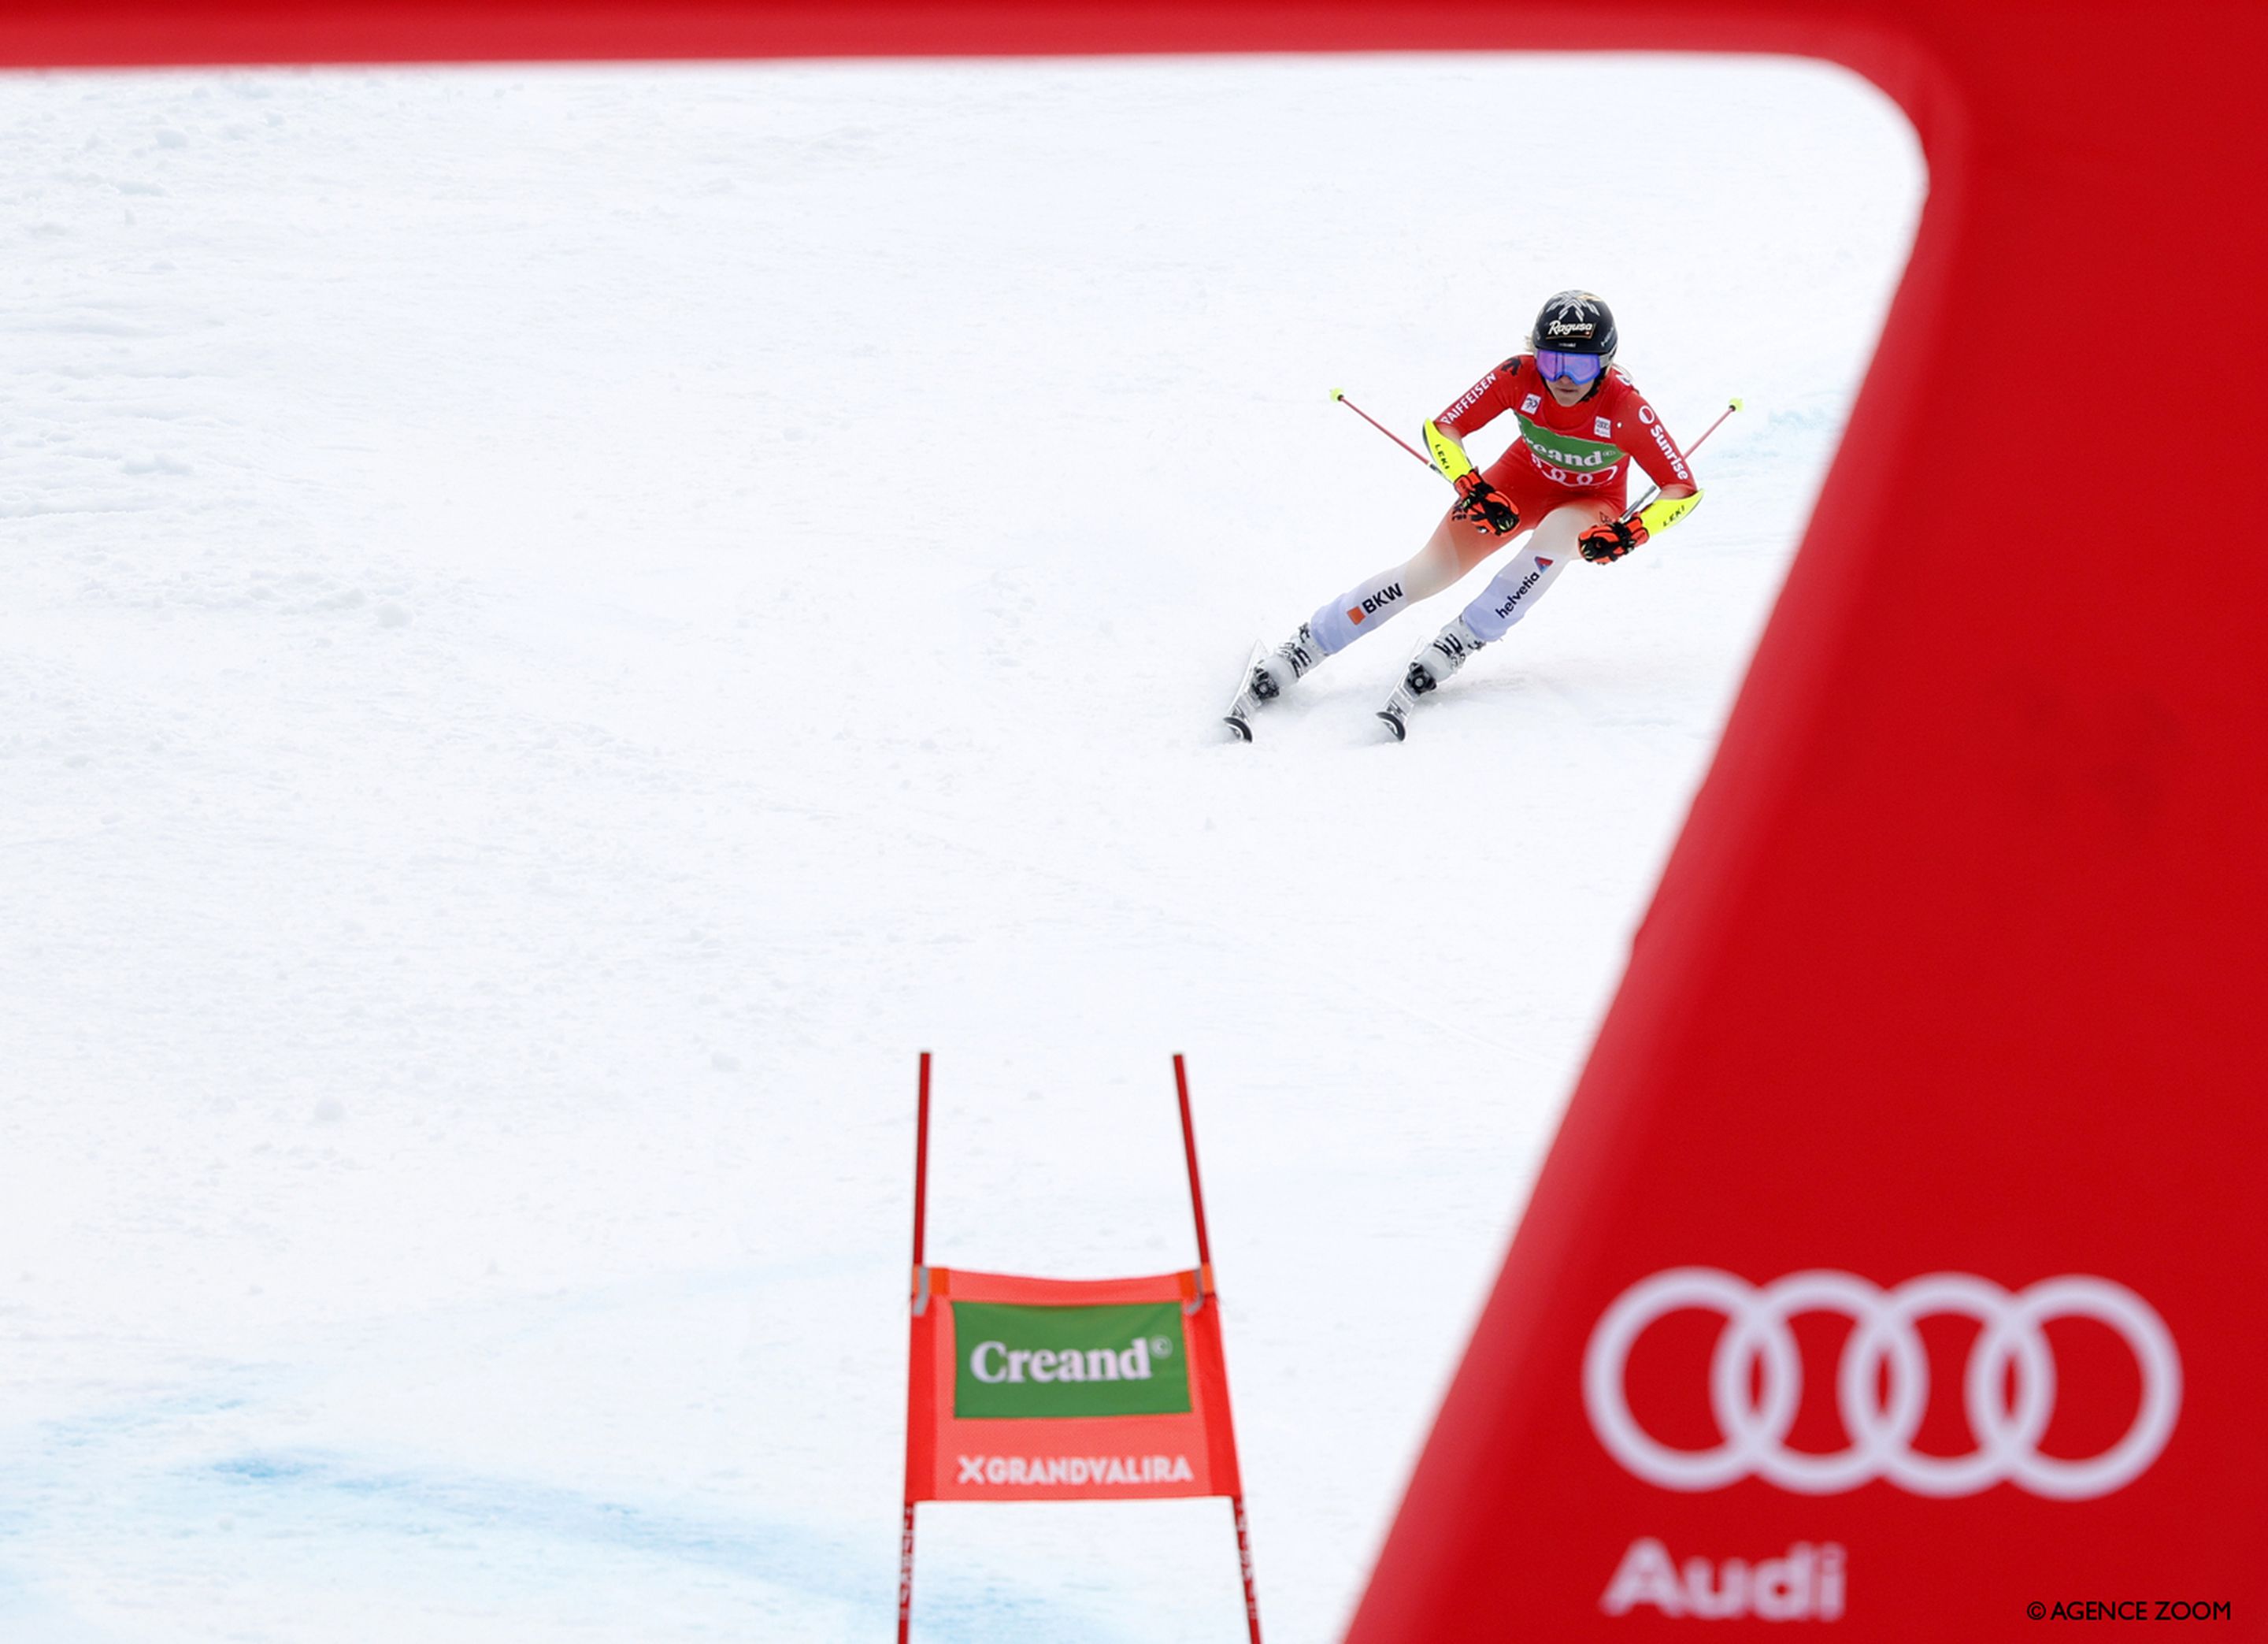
<point x="1241" y="706"/>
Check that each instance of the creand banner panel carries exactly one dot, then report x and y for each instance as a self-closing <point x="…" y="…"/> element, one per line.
<point x="1065" y="1389"/>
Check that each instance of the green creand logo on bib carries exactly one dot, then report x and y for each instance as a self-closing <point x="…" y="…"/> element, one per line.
<point x="1566" y="450"/>
<point x="1125" y="1360"/>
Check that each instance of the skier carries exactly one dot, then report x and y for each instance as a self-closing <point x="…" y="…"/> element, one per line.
<point x="1564" y="484"/>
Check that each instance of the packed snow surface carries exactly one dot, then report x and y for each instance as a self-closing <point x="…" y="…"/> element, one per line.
<point x="559" y="626"/>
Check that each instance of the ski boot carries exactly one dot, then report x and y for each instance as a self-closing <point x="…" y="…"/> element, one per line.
<point x="1267" y="676"/>
<point x="1442" y="656"/>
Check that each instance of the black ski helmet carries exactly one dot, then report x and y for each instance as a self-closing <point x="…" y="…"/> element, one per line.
<point x="1576" y="322"/>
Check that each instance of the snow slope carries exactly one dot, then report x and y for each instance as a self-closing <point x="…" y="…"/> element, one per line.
<point x="559" y="625"/>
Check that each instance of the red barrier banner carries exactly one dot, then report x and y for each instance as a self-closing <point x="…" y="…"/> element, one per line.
<point x="1039" y="1390"/>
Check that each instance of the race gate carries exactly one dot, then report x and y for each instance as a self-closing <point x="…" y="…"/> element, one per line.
<point x="1051" y="1389"/>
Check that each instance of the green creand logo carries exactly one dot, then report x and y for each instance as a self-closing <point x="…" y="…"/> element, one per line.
<point x="1566" y="450"/>
<point x="1124" y="1361"/>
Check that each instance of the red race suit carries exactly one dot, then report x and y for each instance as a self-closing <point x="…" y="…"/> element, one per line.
<point x="1579" y="452"/>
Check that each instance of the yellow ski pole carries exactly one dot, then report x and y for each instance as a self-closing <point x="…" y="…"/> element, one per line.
<point x="1653" y="491"/>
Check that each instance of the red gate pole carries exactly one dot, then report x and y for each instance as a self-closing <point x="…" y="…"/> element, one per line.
<point x="921" y="1161"/>
<point x="921" y="1206"/>
<point x="1196" y="1193"/>
<point x="1244" y="1563"/>
<point x="1205" y="1290"/>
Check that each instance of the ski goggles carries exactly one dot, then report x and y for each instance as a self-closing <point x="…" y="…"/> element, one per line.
<point x="1576" y="368"/>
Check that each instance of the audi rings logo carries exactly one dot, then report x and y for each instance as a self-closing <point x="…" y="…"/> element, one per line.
<point x="1882" y="1386"/>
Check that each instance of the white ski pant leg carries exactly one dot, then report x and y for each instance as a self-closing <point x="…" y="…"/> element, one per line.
<point x="1344" y="620"/>
<point x="1530" y="572"/>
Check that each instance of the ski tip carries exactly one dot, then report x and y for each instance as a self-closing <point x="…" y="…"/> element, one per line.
<point x="1738" y="404"/>
<point x="1237" y="723"/>
<point x="1339" y="394"/>
<point x="1393" y="723"/>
